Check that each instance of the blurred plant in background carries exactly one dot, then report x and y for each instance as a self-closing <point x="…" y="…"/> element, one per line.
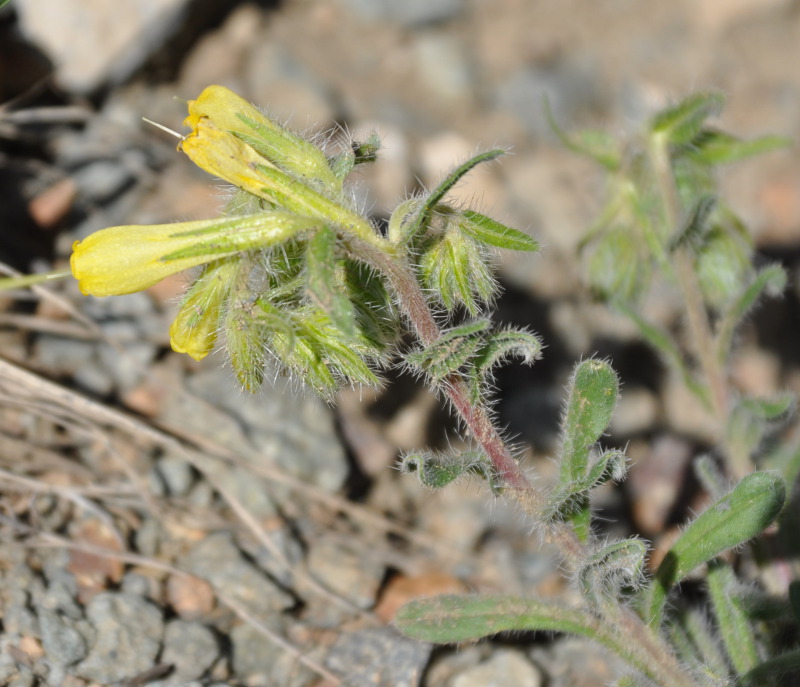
<point x="295" y="280"/>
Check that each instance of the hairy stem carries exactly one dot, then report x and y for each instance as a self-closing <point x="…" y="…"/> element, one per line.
<point x="700" y="329"/>
<point x="475" y="417"/>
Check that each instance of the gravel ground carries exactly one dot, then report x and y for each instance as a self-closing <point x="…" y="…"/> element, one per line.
<point x="159" y="526"/>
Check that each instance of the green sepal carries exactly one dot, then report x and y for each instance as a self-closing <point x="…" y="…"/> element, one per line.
<point x="712" y="147"/>
<point x="355" y="154"/>
<point x="456" y="270"/>
<point x="436" y="470"/>
<point x="293" y="154"/>
<point x="367" y="151"/>
<point x="733" y="623"/>
<point x="493" y="233"/>
<point x="450" y="351"/>
<point x="681" y="123"/>
<point x="375" y="311"/>
<point x="241" y="234"/>
<point x="730" y="521"/>
<point x="325" y="283"/>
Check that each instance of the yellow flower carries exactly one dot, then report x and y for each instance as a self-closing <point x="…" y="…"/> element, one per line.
<point x="228" y="157"/>
<point x="121" y="260"/>
<point x="231" y="113"/>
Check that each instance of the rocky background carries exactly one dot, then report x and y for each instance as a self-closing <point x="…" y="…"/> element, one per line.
<point x="160" y="527"/>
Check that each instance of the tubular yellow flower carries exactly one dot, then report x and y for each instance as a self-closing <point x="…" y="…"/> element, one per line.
<point x="121" y="260"/>
<point x="222" y="154"/>
<point x="293" y="154"/>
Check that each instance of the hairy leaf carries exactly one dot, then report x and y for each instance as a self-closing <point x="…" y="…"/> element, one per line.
<point x="493" y="233"/>
<point x="732" y="520"/>
<point x="682" y="123"/>
<point x="733" y="623"/>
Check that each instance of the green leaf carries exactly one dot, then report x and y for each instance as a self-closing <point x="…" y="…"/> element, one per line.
<point x="666" y="347"/>
<point x="723" y="263"/>
<point x="596" y="145"/>
<point x="696" y="644"/>
<point x="732" y="520"/>
<point x="450" y="351"/>
<point x="497" y="347"/>
<point x="591" y="398"/>
<point x="324" y="286"/>
<point x="711" y="147"/>
<point x="493" y="233"/>
<point x="423" y="212"/>
<point x="770" y="280"/>
<point x="733" y="623"/>
<point x="772" y="669"/>
<point x="449" y="619"/>
<point x="682" y="123"/>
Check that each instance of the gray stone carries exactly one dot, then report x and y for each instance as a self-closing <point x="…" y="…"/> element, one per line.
<point x="129" y="631"/>
<point x="115" y="38"/>
<point x="218" y="560"/>
<point x="177" y="475"/>
<point x="59" y="355"/>
<point x="408" y="12"/>
<point x="378" y="657"/>
<point x="101" y="180"/>
<point x="62" y="642"/>
<point x="253" y="654"/>
<point x="355" y="576"/>
<point x="190" y="647"/>
<point x="505" y="667"/>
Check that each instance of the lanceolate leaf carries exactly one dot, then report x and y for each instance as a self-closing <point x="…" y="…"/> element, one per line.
<point x="732" y="520"/>
<point x="423" y="212"/>
<point x="770" y="280"/>
<point x="491" y="232"/>
<point x="661" y="341"/>
<point x="734" y="625"/>
<point x="713" y="147"/>
<point x="681" y="123"/>
<point x="455" y="618"/>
